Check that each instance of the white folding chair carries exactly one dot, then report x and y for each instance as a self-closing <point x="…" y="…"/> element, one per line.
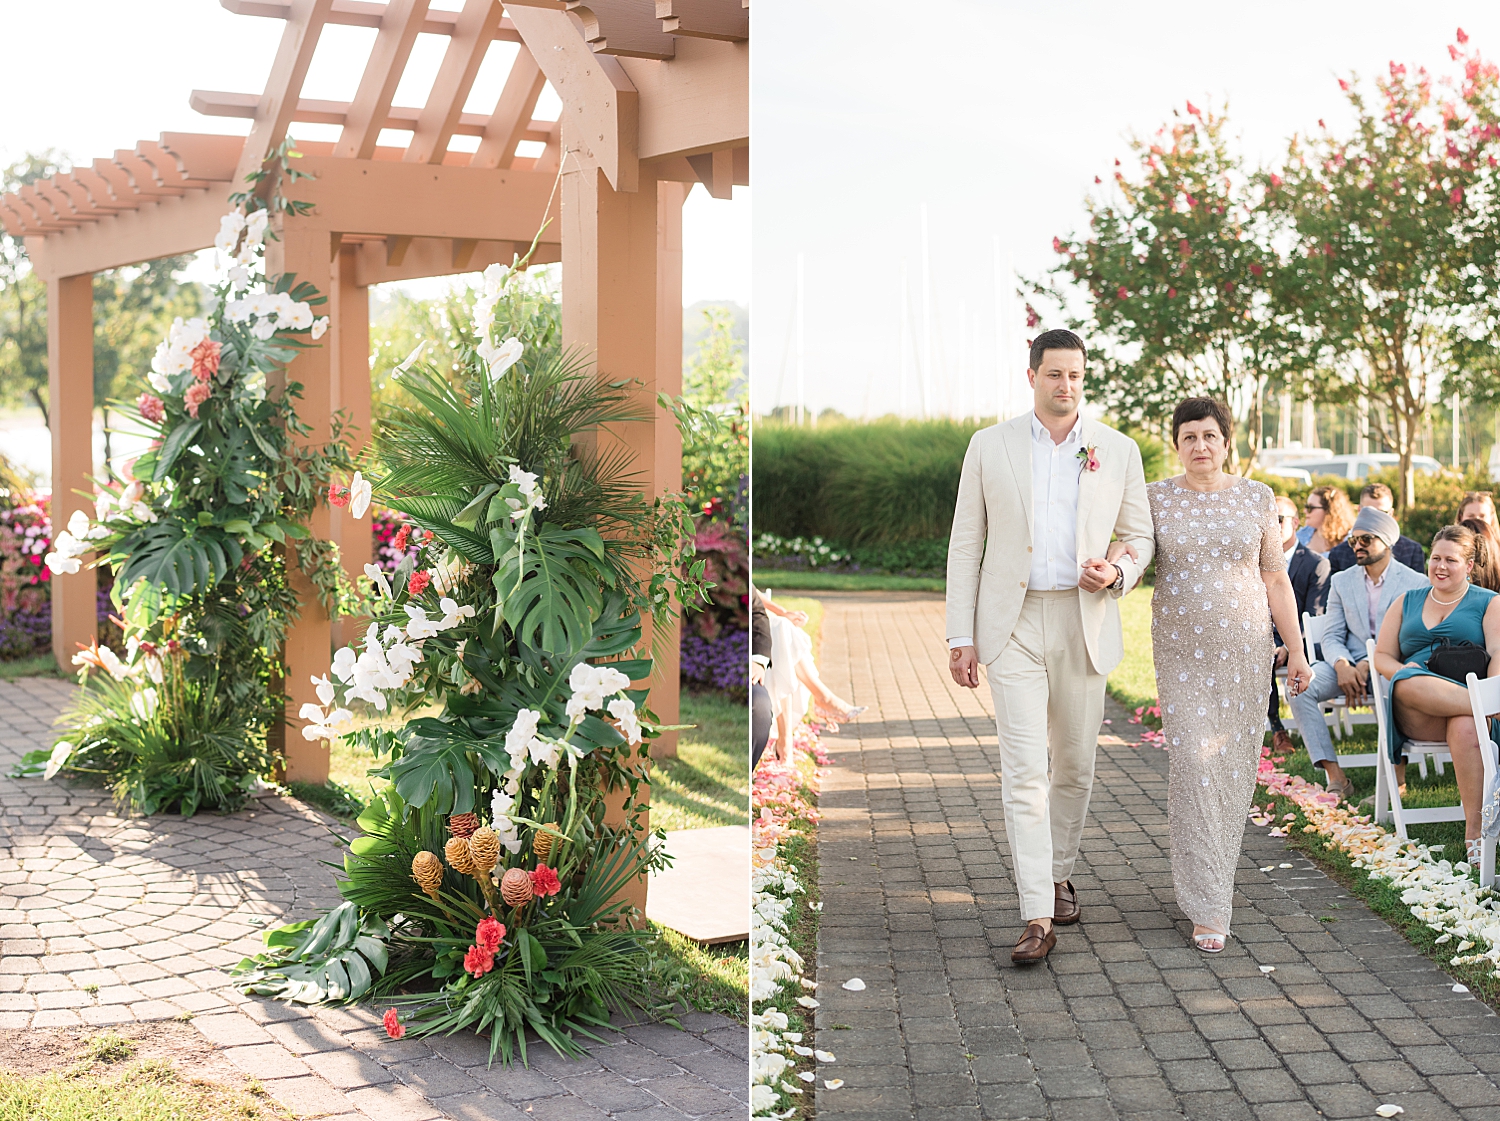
<point x="1335" y="711"/>
<point x="1387" y="794"/>
<point x="1484" y="698"/>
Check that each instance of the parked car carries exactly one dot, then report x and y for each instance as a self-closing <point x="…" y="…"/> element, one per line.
<point x="1282" y="471"/>
<point x="1361" y="466"/>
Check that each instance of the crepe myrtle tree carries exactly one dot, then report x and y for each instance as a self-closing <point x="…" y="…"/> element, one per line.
<point x="1391" y="248"/>
<point x="1173" y="271"/>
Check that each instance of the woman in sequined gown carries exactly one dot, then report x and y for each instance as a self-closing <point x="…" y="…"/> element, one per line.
<point x="1220" y="579"/>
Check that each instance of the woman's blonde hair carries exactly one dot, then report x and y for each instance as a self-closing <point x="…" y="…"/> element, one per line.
<point x="1340" y="517"/>
<point x="1472" y="496"/>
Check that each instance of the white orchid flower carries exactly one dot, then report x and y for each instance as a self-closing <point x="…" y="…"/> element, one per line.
<point x="360" y="492"/>
<point x="310" y="711"/>
<point x="377" y="574"/>
<point x="519" y="739"/>
<point x="453" y="614"/>
<point x="144" y="703"/>
<point x="623" y="710"/>
<point x="319" y="327"/>
<point x="343" y="664"/>
<point x="420" y="626"/>
<point x="230" y="226"/>
<point x="324" y="689"/>
<point x="78" y="524"/>
<point x="525" y="481"/>
<point x="495" y="278"/>
<point x="63" y="564"/>
<point x="255" y="226"/>
<point x="545" y="752"/>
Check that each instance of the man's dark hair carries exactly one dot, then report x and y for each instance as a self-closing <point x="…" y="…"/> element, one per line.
<point x="1055" y="339"/>
<point x="1379" y="492"/>
<point x="1202" y="408"/>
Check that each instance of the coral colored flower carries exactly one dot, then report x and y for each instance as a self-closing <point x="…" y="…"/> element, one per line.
<point x="393" y="1025"/>
<point x="479" y="961"/>
<point x="403" y="537"/>
<point x="196" y="394"/>
<point x="544" y="881"/>
<point x="151" y="408"/>
<point x="489" y="934"/>
<point x="337" y="495"/>
<point x="1122" y="293"/>
<point x="1256" y="270"/>
<point x="205" y="358"/>
<point x="418" y="583"/>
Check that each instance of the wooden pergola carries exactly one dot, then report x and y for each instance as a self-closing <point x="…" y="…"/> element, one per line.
<point x="655" y="97"/>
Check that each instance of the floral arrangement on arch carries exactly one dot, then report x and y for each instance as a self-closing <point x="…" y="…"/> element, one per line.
<point x="199" y="533"/>
<point x="504" y="671"/>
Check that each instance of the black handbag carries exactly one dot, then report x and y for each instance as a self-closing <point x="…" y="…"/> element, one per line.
<point x="1456" y="660"/>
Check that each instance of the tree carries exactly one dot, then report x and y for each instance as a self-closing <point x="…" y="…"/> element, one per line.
<point x="23" y="296"/>
<point x="1174" y="274"/>
<point x="714" y="416"/>
<point x="1392" y="238"/>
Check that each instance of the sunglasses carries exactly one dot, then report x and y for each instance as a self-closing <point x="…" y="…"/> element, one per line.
<point x="1361" y="540"/>
<point x="1287" y="518"/>
<point x="1310" y="507"/>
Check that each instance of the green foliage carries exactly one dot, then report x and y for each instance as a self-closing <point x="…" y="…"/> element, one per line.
<point x="336" y="958"/>
<point x="713" y="417"/>
<point x="703" y="978"/>
<point x="1173" y="269"/>
<point x="23" y="296"/>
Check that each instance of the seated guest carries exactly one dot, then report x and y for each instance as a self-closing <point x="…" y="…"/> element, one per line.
<point x="1357" y="600"/>
<point x="1308" y="573"/>
<point x="1487" y="574"/>
<point x="1477" y="504"/>
<point x="761" y="714"/>
<point x="1329" y="516"/>
<point x="1407" y="551"/>
<point x="792" y="680"/>
<point x="1425" y="705"/>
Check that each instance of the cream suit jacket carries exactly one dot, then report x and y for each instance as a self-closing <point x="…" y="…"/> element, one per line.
<point x="989" y="551"/>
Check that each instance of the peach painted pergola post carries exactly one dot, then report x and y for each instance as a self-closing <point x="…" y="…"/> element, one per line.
<point x="655" y="99"/>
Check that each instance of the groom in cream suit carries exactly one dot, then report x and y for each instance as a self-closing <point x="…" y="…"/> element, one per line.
<point x="1032" y="598"/>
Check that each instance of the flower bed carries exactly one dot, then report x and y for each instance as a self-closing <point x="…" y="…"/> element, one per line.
<point x="782" y="858"/>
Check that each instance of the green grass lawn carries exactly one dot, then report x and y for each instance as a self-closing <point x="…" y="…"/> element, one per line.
<point x="40" y="666"/>
<point x="1133" y="682"/>
<point x="708" y="783"/>
<point x="847" y="582"/>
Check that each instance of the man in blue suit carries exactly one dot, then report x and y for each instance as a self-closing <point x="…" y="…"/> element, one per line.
<point x="1358" y="599"/>
<point x="1309" y="574"/>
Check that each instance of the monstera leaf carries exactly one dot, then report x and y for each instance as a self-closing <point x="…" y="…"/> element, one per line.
<point x="549" y="585"/>
<point x="335" y="958"/>
<point x="176" y="558"/>
<point x="435" y="764"/>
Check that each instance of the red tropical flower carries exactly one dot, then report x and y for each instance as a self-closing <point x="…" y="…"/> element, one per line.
<point x="402" y="539"/>
<point x="196" y="394"/>
<point x="393" y="1025"/>
<point x="479" y="961"/>
<point x="151" y="408"/>
<point x="1122" y="293"/>
<point x="544" y="881"/>
<point x="205" y="358"/>
<point x="337" y="495"/>
<point x="418" y="583"/>
<point x="488" y="934"/>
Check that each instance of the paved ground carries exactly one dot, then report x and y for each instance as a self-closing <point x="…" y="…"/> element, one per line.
<point x="105" y="919"/>
<point x="1125" y="1020"/>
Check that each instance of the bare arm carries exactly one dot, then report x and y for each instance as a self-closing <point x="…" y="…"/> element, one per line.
<point x="1283" y="602"/>
<point x="1388" y="645"/>
<point x="1492" y="636"/>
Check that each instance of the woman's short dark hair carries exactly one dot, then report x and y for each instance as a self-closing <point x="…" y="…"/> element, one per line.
<point x="1202" y="408"/>
<point x="1055" y="339"/>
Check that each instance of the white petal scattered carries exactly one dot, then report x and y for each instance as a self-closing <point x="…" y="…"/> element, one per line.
<point x="804" y="1051"/>
<point x="807" y="1002"/>
<point x="1460" y="988"/>
<point x="1283" y="865"/>
<point x="832" y="1083"/>
<point x="807" y="1076"/>
<point x="1268" y="969"/>
<point x="1269" y="868"/>
<point x="826" y="1056"/>
<point x="1388" y="1110"/>
<point x="806" y="984"/>
<point x="854" y="985"/>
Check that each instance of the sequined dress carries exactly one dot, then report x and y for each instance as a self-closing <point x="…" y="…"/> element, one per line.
<point x="1211" y="635"/>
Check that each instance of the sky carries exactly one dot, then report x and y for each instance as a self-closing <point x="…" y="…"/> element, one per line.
<point x="996" y="115"/>
<point x="87" y="77"/>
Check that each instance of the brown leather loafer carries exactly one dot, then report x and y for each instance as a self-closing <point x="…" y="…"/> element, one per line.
<point x="1034" y="945"/>
<point x="1065" y="909"/>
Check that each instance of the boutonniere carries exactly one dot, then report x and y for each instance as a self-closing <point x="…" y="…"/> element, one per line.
<point x="1088" y="458"/>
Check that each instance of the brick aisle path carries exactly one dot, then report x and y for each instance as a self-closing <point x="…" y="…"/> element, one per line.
<point x="1125" y="1020"/>
<point x="105" y="920"/>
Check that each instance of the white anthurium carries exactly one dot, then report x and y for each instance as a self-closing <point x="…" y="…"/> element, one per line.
<point x="623" y="710"/>
<point x="360" y="492"/>
<point x="410" y="359"/>
<point x="377" y="574"/>
<point x="504" y="356"/>
<point x="62" y="751"/>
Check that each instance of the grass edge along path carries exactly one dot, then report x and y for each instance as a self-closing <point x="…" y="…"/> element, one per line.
<point x="1435" y="904"/>
<point x="784" y="911"/>
<point x="777" y="579"/>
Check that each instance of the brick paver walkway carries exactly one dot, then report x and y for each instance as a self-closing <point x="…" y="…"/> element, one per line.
<point x="106" y="919"/>
<point x="1316" y="1008"/>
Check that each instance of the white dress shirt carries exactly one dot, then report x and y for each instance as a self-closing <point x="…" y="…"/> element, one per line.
<point x="1055" y="474"/>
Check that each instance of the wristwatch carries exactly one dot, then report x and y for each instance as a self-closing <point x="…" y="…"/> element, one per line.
<point x="1119" y="579"/>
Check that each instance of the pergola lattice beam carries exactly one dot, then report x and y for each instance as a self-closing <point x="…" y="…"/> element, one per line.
<point x="371" y="106"/>
<point x="359" y="13"/>
<point x="455" y="78"/>
<point x="310" y="111"/>
<point x="299" y="41"/>
<point x="511" y="122"/>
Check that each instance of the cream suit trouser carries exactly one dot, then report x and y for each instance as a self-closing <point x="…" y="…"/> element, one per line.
<point x="1049" y="704"/>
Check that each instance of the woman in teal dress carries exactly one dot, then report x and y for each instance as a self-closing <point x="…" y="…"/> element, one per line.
<point x="1425" y="705"/>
